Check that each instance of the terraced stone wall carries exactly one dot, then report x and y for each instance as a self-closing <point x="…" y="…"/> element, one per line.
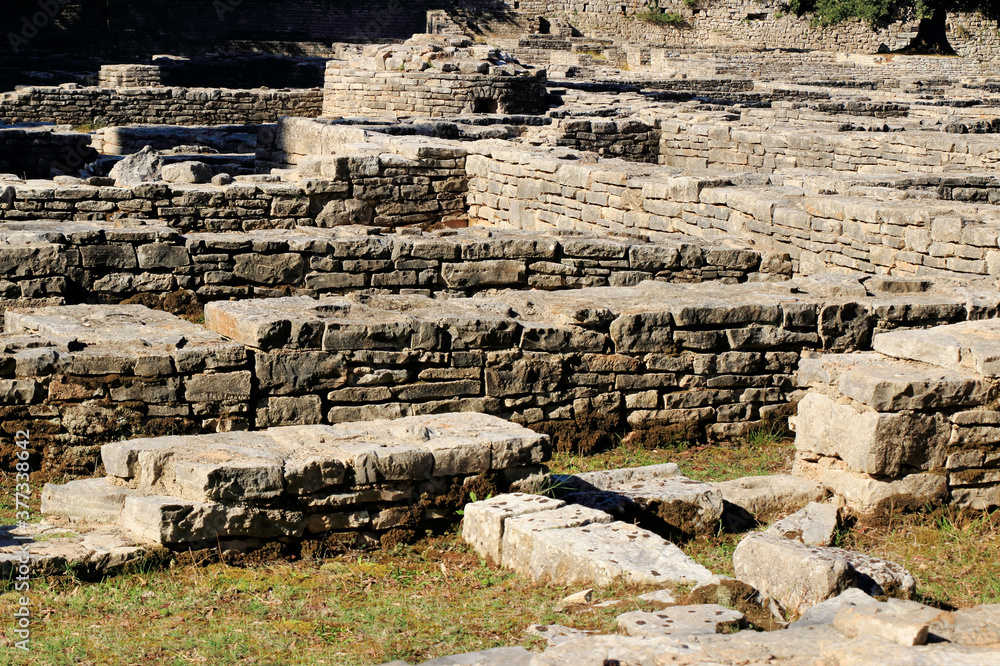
<point x="871" y="225"/>
<point x="754" y="149"/>
<point x="383" y="188"/>
<point x="673" y="360"/>
<point x="161" y="106"/>
<point x="80" y="262"/>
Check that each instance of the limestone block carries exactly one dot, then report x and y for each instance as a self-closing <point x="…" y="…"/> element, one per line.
<point x="765" y="496"/>
<point x="681" y="621"/>
<point x="881" y="623"/>
<point x="483" y="522"/>
<point x="90" y="500"/>
<point x="813" y="525"/>
<point x="172" y="520"/>
<point x="521" y="532"/>
<point x="867" y="494"/>
<point x="186" y="172"/>
<point x="795" y="575"/>
<point x="868" y="441"/>
<point x="971" y="345"/>
<point x="600" y="554"/>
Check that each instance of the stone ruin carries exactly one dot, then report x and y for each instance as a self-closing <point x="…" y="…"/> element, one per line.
<point x="323" y="319"/>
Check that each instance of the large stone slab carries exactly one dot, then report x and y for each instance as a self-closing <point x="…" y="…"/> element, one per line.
<point x="522" y="533"/>
<point x="887" y="384"/>
<point x="483" y="521"/>
<point x="600" y="554"/>
<point x="55" y="550"/>
<point x="971" y="345"/>
<point x="681" y="621"/>
<point x="764" y="496"/>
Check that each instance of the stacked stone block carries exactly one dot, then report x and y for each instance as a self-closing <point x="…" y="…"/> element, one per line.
<point x="158" y="105"/>
<point x="69" y="262"/>
<point x="692" y="359"/>
<point x="912" y="424"/>
<point x="355" y="483"/>
<point x="129" y="76"/>
<point x="76" y="376"/>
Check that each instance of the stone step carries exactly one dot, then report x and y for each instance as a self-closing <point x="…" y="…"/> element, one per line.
<point x="564" y="544"/>
<point x="303" y="460"/>
<point x="282" y="481"/>
<point x="970" y="345"/>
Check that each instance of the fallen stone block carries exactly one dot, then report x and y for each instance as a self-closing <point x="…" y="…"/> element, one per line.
<point x="681" y="621"/>
<point x="759" y="497"/>
<point x="521" y="533"/>
<point x="483" y="521"/>
<point x="824" y="612"/>
<point x="795" y="575"/>
<point x="813" y="525"/>
<point x="601" y="554"/>
<point x="878" y="577"/>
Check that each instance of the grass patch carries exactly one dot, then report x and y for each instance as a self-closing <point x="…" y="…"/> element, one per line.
<point x="656" y="17"/>
<point x="415" y="603"/>
<point x="767" y="450"/>
<point x="950" y="550"/>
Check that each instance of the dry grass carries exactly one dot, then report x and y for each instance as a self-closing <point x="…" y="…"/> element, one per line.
<point x="437" y="597"/>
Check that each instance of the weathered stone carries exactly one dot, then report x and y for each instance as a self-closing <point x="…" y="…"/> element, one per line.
<point x="681" y="621"/>
<point x="813" y="525"/>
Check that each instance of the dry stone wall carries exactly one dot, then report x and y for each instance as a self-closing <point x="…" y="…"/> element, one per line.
<point x="355" y="484"/>
<point x="906" y="225"/>
<point x="77" y="376"/>
<point x="40" y="152"/>
<point x="72" y="262"/>
<point x="693" y="359"/>
<point x="73" y="105"/>
<point x="765" y="149"/>
<point x="911" y="425"/>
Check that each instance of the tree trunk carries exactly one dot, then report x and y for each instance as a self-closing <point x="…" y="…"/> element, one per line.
<point x="932" y="36"/>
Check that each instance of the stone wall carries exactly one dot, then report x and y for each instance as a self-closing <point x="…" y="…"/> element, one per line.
<point x="78" y="376"/>
<point x="756" y="24"/>
<point x="73" y="262"/>
<point x="161" y="106"/>
<point x="763" y="150"/>
<point x="869" y="224"/>
<point x="353" y="485"/>
<point x="929" y="438"/>
<point x="360" y="92"/>
<point x="375" y="185"/>
<point x="687" y="359"/>
<point x="129" y="76"/>
<point x="631" y="139"/>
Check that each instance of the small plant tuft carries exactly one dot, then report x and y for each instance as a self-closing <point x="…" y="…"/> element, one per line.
<point x="659" y="17"/>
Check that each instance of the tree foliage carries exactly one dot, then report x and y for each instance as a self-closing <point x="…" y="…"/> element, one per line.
<point x="880" y="12"/>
